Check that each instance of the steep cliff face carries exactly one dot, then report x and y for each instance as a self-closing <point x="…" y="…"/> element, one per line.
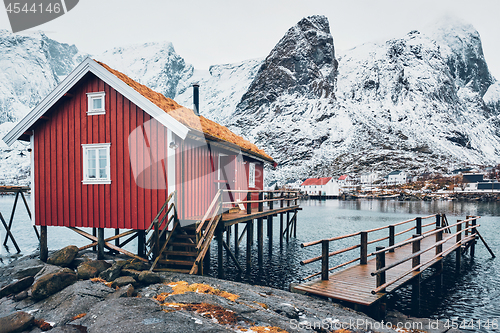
<point x="302" y="63"/>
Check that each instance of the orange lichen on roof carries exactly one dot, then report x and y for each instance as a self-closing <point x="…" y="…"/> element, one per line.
<point x="186" y="116"/>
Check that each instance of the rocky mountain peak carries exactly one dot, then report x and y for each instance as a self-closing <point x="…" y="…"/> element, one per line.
<point x="460" y="45"/>
<point x="303" y="62"/>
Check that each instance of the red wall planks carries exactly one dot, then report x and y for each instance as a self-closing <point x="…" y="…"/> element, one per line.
<point x="126" y="203"/>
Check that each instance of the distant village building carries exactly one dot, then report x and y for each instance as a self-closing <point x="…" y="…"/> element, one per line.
<point x="473" y="177"/>
<point x="396" y="177"/>
<point x="320" y="186"/>
<point x="369" y="178"/>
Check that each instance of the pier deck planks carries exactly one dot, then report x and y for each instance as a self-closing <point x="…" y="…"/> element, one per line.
<point x="354" y="284"/>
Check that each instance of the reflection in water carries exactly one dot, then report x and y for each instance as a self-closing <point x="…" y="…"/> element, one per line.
<point x="473" y="294"/>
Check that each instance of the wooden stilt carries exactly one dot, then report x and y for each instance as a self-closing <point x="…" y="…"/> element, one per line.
<point x="117" y="241"/>
<point x="249" y="244"/>
<point x="206" y="260"/>
<point x="458" y="251"/>
<point x="141" y="242"/>
<point x="94" y="233"/>
<point x="236" y="244"/>
<point x="100" y="244"/>
<point x="270" y="227"/>
<point x="9" y="234"/>
<point x="228" y="235"/>
<point x="260" y="239"/>
<point x="44" y="251"/>
<point x="281" y="229"/>
<point x="287" y="226"/>
<point x="295" y="224"/>
<point x="473" y="244"/>
<point x="232" y="256"/>
<point x="11" y="218"/>
<point x="220" y="253"/>
<point x="415" y="296"/>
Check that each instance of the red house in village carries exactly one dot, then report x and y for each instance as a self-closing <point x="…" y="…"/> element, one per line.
<point x="107" y="151"/>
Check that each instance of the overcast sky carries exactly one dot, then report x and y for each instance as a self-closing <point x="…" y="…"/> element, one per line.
<point x="207" y="32"/>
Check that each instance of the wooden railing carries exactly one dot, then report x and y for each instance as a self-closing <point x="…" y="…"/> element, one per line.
<point x="270" y="199"/>
<point x="161" y="222"/>
<point x="467" y="227"/>
<point x="205" y="231"/>
<point x="364" y="242"/>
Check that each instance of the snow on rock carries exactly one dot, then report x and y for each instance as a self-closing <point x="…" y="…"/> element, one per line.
<point x="155" y="65"/>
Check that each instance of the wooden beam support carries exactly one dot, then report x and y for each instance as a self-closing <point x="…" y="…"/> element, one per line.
<point x="44" y="252"/>
<point x="9" y="234"/>
<point x="100" y="244"/>
<point x="230" y="254"/>
<point x="260" y="239"/>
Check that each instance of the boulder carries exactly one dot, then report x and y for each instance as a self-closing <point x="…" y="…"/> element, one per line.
<point x="16" y="322"/>
<point x="113" y="272"/>
<point x="125" y="291"/>
<point x="123" y="281"/>
<point x="64" y="256"/>
<point x="52" y="283"/>
<point x="136" y="264"/>
<point x="22" y="295"/>
<point x="91" y="268"/>
<point x="16" y="287"/>
<point x="147" y="277"/>
<point x="131" y="272"/>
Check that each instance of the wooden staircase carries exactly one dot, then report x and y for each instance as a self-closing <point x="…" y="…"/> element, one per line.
<point x="183" y="248"/>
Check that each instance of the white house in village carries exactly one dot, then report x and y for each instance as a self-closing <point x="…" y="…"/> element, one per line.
<point x="323" y="186"/>
<point x="396" y="177"/>
<point x="368" y="178"/>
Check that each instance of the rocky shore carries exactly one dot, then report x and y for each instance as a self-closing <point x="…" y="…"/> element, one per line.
<point x="73" y="292"/>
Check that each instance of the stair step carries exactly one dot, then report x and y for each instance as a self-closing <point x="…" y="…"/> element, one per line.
<point x="183" y="244"/>
<point x="177" y="270"/>
<point x="176" y="262"/>
<point x="181" y="253"/>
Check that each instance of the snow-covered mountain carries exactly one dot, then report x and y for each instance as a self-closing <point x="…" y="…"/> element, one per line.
<point x="414" y="102"/>
<point x="422" y="102"/>
<point x="30" y="68"/>
<point x="155" y="65"/>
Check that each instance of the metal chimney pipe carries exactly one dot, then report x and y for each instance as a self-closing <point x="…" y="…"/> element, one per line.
<point x="196" y="99"/>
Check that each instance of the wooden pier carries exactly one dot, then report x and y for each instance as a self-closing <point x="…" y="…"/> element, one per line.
<point x="390" y="268"/>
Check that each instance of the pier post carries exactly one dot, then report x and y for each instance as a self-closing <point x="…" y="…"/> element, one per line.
<point x="270" y="227"/>
<point x="415" y="296"/>
<point x="206" y="260"/>
<point x="324" y="259"/>
<point x="260" y="239"/>
<point x="100" y="243"/>
<point x="281" y="229"/>
<point x="228" y="235"/>
<point x="473" y="245"/>
<point x="438" y="221"/>
<point x="94" y="233"/>
<point x="261" y="204"/>
<point x="117" y="241"/>
<point x="287" y="226"/>
<point x="249" y="204"/>
<point x="418" y="225"/>
<point x="380" y="263"/>
<point x="391" y="237"/>
<point x="439" y="237"/>
<point x="44" y="251"/>
<point x="220" y="253"/>
<point x="249" y="245"/>
<point x="236" y="247"/>
<point x="415" y="249"/>
<point x="363" y="248"/>
<point x="141" y="235"/>
<point x="156" y="238"/>
<point x="295" y="224"/>
<point x="458" y="251"/>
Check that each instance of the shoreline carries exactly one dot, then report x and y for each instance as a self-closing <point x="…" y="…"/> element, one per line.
<point x="161" y="306"/>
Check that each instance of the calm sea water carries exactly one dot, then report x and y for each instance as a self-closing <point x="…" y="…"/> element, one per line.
<point x="473" y="294"/>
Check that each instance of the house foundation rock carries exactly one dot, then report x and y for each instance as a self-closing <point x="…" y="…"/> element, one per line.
<point x="16" y="322"/>
<point x="52" y="283"/>
<point x="64" y="256"/>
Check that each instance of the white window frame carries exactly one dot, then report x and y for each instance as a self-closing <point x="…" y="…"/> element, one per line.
<point x="90" y="103"/>
<point x="96" y="146"/>
<point x="251" y="175"/>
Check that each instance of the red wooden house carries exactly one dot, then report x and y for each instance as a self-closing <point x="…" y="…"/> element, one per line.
<point x="107" y="151"/>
